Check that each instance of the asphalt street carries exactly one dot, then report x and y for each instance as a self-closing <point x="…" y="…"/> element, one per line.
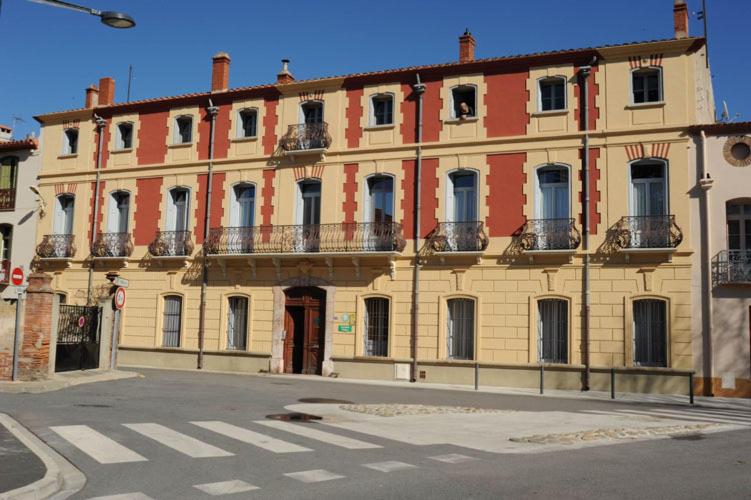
<point x="178" y="435"/>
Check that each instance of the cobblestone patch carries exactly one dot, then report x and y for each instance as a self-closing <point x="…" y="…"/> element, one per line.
<point x="396" y="410"/>
<point x="611" y="434"/>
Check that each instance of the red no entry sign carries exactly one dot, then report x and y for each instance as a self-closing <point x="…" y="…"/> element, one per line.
<point x="16" y="276"/>
<point x="81" y="321"/>
<point x="119" y="298"/>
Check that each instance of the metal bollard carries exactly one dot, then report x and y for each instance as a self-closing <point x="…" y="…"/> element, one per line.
<point x="542" y="378"/>
<point x="612" y="383"/>
<point x="477" y="375"/>
<point x="691" y="388"/>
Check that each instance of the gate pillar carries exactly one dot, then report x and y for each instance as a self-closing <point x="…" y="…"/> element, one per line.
<point x="34" y="356"/>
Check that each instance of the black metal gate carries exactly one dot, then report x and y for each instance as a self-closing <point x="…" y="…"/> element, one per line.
<point x="77" y="338"/>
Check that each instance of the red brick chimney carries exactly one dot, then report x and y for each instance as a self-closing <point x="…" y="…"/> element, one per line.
<point x="92" y="95"/>
<point x="680" y="19"/>
<point x="284" y="76"/>
<point x="467" y="47"/>
<point x="106" y="91"/>
<point x="220" y="72"/>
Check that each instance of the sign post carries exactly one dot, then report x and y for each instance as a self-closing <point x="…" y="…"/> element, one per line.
<point x="119" y="303"/>
<point x="16" y="277"/>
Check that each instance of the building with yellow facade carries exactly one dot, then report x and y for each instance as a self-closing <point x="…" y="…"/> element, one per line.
<point x="483" y="216"/>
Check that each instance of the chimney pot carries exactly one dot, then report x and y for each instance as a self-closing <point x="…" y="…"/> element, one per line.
<point x="284" y="76"/>
<point x="106" y="92"/>
<point x="680" y="19"/>
<point x="220" y="72"/>
<point x="92" y="95"/>
<point x="467" y="45"/>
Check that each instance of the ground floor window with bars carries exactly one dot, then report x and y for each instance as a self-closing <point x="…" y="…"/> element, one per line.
<point x="650" y="332"/>
<point x="461" y="328"/>
<point x="552" y="326"/>
<point x="237" y="323"/>
<point x="376" y="327"/>
<point x="173" y="308"/>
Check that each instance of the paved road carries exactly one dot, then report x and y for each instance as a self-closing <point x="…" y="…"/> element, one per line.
<point x="183" y="435"/>
<point x="18" y="465"/>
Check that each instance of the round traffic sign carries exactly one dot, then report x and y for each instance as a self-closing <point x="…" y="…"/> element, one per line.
<point x="81" y="321"/>
<point x="119" y="298"/>
<point x="16" y="276"/>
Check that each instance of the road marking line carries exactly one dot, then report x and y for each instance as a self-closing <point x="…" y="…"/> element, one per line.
<point x="314" y="476"/>
<point x="98" y="446"/>
<point x="327" y="437"/>
<point x="251" y="437"/>
<point x="685" y="416"/>
<point x="124" y="496"/>
<point x="389" y="466"/>
<point x="177" y="441"/>
<point x="225" y="487"/>
<point x="452" y="458"/>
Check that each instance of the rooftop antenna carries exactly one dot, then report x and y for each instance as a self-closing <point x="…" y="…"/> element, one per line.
<point x="702" y="16"/>
<point x="726" y="118"/>
<point x="13" y="126"/>
<point x="130" y="79"/>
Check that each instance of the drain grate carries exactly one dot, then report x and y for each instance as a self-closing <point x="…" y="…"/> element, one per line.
<point x="294" y="417"/>
<point x="325" y="401"/>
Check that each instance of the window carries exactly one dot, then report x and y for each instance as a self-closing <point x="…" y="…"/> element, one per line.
<point x="553" y="192"/>
<point x="312" y="112"/>
<point x="62" y="298"/>
<point x="463" y="194"/>
<point x="248" y="123"/>
<point x="183" y="129"/>
<point x="648" y="189"/>
<point x="118" y="213"/>
<point x="173" y="311"/>
<point x="461" y="328"/>
<point x="552" y="330"/>
<point x="8" y="172"/>
<point x="177" y="209"/>
<point x="70" y="141"/>
<point x="237" y="323"/>
<point x="243" y="205"/>
<point x="739" y="225"/>
<point x="646" y="85"/>
<point x="380" y="199"/>
<point x="463" y="101"/>
<point x="650" y="332"/>
<point x="382" y="110"/>
<point x="552" y="94"/>
<point x="310" y="192"/>
<point x="63" y="223"/>
<point x="6" y="238"/>
<point x="376" y="327"/>
<point x="124" y="135"/>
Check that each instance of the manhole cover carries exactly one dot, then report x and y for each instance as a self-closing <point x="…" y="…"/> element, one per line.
<point x="689" y="437"/>
<point x="325" y="401"/>
<point x="84" y="405"/>
<point x="294" y="417"/>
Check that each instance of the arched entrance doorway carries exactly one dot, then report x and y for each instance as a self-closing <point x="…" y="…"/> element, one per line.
<point x="304" y="324"/>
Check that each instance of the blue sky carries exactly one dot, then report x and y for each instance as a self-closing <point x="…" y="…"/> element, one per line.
<point x="51" y="54"/>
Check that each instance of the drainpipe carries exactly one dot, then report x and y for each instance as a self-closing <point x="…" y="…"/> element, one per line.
<point x="100" y="124"/>
<point x="419" y="89"/>
<point x="706" y="254"/>
<point x="212" y="111"/>
<point x="584" y="72"/>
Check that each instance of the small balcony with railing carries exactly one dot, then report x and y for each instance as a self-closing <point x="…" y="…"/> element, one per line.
<point x="7" y="199"/>
<point x="550" y="237"/>
<point x="56" y="247"/>
<point x="648" y="234"/>
<point x="732" y="268"/>
<point x="456" y="238"/>
<point x="171" y="246"/>
<point x="306" y="139"/>
<point x="112" y="247"/>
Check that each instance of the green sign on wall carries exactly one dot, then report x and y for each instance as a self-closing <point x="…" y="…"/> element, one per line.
<point x="345" y="328"/>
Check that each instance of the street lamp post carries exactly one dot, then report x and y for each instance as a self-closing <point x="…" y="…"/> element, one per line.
<point x="111" y="18"/>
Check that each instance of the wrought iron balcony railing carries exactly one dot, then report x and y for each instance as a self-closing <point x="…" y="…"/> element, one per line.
<point x="306" y="238"/>
<point x="550" y="234"/>
<point x="306" y="136"/>
<point x="648" y="231"/>
<point x="4" y="271"/>
<point x="171" y="244"/>
<point x="112" y="245"/>
<point x="457" y="237"/>
<point x="731" y="267"/>
<point x="56" y="246"/>
<point x="7" y="199"/>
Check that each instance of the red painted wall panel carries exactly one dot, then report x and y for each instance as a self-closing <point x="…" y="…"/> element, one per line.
<point x="221" y="132"/>
<point x="592" y="92"/>
<point x="408" y="198"/>
<point x="217" y="199"/>
<point x="91" y="209"/>
<point x="353" y="133"/>
<point x="431" y="114"/>
<point x="270" y="120"/>
<point x="152" y="137"/>
<point x="147" y="215"/>
<point x="267" y="209"/>
<point x="506" y="103"/>
<point x="594" y="193"/>
<point x="506" y="199"/>
<point x="349" y="205"/>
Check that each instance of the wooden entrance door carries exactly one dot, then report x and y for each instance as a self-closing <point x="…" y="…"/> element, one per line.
<point x="304" y="323"/>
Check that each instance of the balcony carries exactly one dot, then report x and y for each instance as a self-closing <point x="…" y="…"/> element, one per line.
<point x="648" y="234"/>
<point x="171" y="246"/>
<point x="456" y="238"/>
<point x="549" y="237"/>
<point x="4" y="271"/>
<point x="56" y="247"/>
<point x="8" y="199"/>
<point x="112" y="247"/>
<point x="732" y="267"/>
<point x="306" y="138"/>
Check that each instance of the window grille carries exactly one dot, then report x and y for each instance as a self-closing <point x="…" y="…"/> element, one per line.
<point x="237" y="323"/>
<point x="461" y="328"/>
<point x="172" y="320"/>
<point x="650" y="333"/>
<point x="376" y="327"/>
<point x="553" y="330"/>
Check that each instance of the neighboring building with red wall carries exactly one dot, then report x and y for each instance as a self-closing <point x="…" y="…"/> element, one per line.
<point x="313" y="242"/>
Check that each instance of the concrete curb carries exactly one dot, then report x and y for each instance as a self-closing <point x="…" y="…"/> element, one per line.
<point x="62" y="478"/>
<point x="62" y="381"/>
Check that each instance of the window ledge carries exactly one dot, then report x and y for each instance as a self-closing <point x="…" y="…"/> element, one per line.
<point x="469" y="119"/>
<point x="66" y="156"/>
<point x="245" y="139"/>
<point x="552" y="112"/>
<point x="121" y="151"/>
<point x="180" y="145"/>
<point x="642" y="105"/>
<point x="380" y="127"/>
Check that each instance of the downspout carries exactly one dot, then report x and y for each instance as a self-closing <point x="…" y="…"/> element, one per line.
<point x="419" y="89"/>
<point x="100" y="124"/>
<point x="584" y="72"/>
<point x="706" y="184"/>
<point x="212" y="111"/>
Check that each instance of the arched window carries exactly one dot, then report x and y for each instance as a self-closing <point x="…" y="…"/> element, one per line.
<point x="237" y="323"/>
<point x="649" y="222"/>
<point x="552" y="330"/>
<point x="553" y="192"/>
<point x="462" y="202"/>
<point x="64" y="205"/>
<point x="308" y="216"/>
<point x="650" y="332"/>
<point x="646" y="85"/>
<point x="118" y="212"/>
<point x="461" y="328"/>
<point x="172" y="321"/>
<point x="463" y="101"/>
<point x="243" y="205"/>
<point x="312" y="112"/>
<point x="8" y="173"/>
<point x="382" y="109"/>
<point x="178" y="207"/>
<point x="376" y="326"/>
<point x="552" y="92"/>
<point x="379" y="213"/>
<point x="247" y="123"/>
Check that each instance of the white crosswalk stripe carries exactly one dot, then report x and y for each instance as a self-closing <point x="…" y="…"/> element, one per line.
<point x="178" y="441"/>
<point x="96" y="445"/>
<point x="225" y="487"/>
<point x="124" y="496"/>
<point x="251" y="437"/>
<point x="310" y="432"/>
<point x="389" y="466"/>
<point x="689" y="415"/>
<point x="314" y="476"/>
<point x="452" y="458"/>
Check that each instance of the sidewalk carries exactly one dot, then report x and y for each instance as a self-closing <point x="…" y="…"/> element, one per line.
<point x="66" y="379"/>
